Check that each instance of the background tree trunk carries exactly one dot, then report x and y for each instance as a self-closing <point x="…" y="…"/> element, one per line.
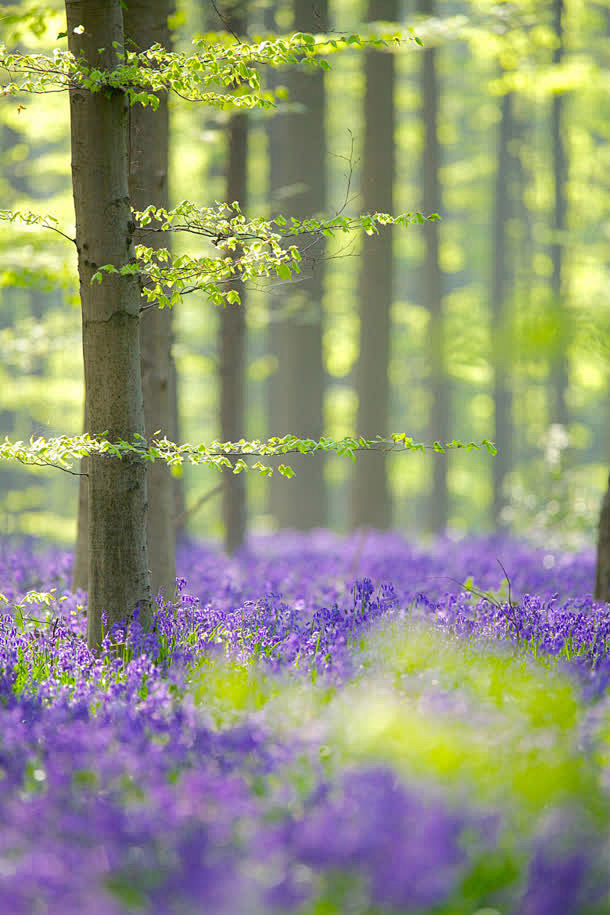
<point x="145" y="25"/>
<point x="119" y="582"/>
<point x="432" y="291"/>
<point x="371" y="502"/>
<point x="602" y="577"/>
<point x="232" y="333"/>
<point x="559" y="375"/>
<point x="503" y="434"/>
<point x="80" y="569"/>
<point x="297" y="155"/>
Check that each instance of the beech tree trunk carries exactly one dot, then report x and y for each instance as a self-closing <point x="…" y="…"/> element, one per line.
<point x="559" y="373"/>
<point x="297" y="151"/>
<point x="371" y="502"/>
<point x="232" y="337"/>
<point x="174" y="435"/>
<point x="503" y="434"/>
<point x="602" y="577"/>
<point x="119" y="581"/>
<point x="432" y="291"/>
<point x="80" y="570"/>
<point x="146" y="24"/>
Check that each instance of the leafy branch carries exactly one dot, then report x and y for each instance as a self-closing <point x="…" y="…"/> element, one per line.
<point x="249" y="248"/>
<point x="142" y="75"/>
<point x="28" y="218"/>
<point x="64" y="451"/>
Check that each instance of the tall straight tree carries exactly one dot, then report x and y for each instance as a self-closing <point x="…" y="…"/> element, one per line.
<point x="297" y="152"/>
<point x="499" y="312"/>
<point x="232" y="327"/>
<point x="371" y="503"/>
<point x="432" y="285"/>
<point x="602" y="575"/>
<point x="145" y="24"/>
<point x="559" y="375"/>
<point x="119" y="581"/>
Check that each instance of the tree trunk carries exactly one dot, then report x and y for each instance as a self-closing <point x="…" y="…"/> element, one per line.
<point x="602" y="575"/>
<point x="559" y="375"/>
<point x="119" y="582"/>
<point x="371" y="502"/>
<point x="602" y="578"/>
<point x="232" y="338"/>
<point x="432" y="292"/>
<point x="80" y="571"/>
<point x="145" y="25"/>
<point x="503" y="434"/>
<point x="178" y="496"/>
<point x="297" y="152"/>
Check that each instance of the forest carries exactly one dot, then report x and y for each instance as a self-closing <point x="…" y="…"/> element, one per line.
<point x="304" y="454"/>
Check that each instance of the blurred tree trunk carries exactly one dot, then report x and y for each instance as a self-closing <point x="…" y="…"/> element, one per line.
<point x="500" y="318"/>
<point x="174" y="435"/>
<point x="232" y="331"/>
<point x="371" y="502"/>
<point x="559" y="375"/>
<point x="119" y="582"/>
<point x="146" y="24"/>
<point x="297" y="153"/>
<point x="602" y="577"/>
<point x="80" y="569"/>
<point x="432" y="287"/>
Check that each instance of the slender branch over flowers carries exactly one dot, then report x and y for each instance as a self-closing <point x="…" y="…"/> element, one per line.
<point x="64" y="451"/>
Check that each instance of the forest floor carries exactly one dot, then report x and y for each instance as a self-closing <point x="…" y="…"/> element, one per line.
<point x="317" y="725"/>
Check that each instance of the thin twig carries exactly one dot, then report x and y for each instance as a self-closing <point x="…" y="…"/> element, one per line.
<point x="226" y="22"/>
<point x="194" y="508"/>
<point x="43" y="463"/>
<point x="59" y="232"/>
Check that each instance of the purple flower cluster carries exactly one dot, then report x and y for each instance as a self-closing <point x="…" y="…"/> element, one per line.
<point x="123" y="793"/>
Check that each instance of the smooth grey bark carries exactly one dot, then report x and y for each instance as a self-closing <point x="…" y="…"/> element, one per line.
<point x="80" y="569"/>
<point x="432" y="284"/>
<point x="119" y="581"/>
<point x="559" y="373"/>
<point x="371" y="500"/>
<point x="232" y="337"/>
<point x="145" y="23"/>
<point x="602" y="572"/>
<point x="503" y="432"/>
<point x="297" y="150"/>
<point x="179" y="499"/>
<point x="602" y="575"/>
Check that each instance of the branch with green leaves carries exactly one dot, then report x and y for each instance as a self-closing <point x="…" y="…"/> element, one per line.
<point x="63" y="452"/>
<point x="143" y="74"/>
<point x="249" y="248"/>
